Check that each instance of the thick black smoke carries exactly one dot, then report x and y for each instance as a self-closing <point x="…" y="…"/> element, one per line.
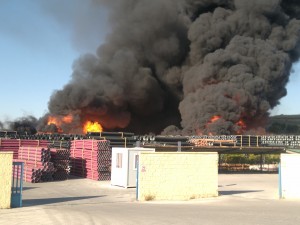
<point x="24" y="125"/>
<point x="171" y="65"/>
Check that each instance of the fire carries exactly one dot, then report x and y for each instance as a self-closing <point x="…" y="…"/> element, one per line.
<point x="56" y="122"/>
<point x="214" y="119"/>
<point x="68" y="119"/>
<point x="59" y="120"/>
<point x="52" y="120"/>
<point x="242" y="126"/>
<point x="241" y="123"/>
<point x="90" y="126"/>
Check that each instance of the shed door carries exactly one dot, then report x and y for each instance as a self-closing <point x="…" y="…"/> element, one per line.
<point x="132" y="168"/>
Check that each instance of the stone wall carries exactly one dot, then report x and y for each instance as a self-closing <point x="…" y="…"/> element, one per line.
<point x="6" y="159"/>
<point x="177" y="176"/>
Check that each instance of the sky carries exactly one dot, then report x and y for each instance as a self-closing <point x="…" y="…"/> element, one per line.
<point x="40" y="40"/>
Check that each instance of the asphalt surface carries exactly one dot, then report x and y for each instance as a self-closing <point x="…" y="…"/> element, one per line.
<point x="243" y="199"/>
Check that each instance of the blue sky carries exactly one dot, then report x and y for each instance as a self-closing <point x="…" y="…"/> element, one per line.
<point x="39" y="41"/>
<point x="289" y="104"/>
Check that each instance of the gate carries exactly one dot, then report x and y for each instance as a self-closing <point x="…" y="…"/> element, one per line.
<point x="17" y="184"/>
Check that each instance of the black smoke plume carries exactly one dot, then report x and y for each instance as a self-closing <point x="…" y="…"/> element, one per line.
<point x="170" y="66"/>
<point x="24" y="125"/>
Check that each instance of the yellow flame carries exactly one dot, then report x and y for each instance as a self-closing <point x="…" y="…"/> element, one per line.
<point x="90" y="126"/>
<point x="52" y="120"/>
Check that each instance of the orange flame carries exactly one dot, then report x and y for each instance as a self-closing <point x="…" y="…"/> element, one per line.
<point x="68" y="119"/>
<point x="58" y="121"/>
<point x="90" y="126"/>
<point x="241" y="123"/>
<point x="242" y="126"/>
<point x="52" y="120"/>
<point x="214" y="119"/>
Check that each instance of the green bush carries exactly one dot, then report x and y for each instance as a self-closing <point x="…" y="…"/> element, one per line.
<point x="249" y="158"/>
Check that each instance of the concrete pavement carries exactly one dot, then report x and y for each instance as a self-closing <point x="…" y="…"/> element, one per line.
<point x="244" y="199"/>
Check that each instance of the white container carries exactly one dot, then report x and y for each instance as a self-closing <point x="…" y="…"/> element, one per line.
<point x="124" y="165"/>
<point x="289" y="176"/>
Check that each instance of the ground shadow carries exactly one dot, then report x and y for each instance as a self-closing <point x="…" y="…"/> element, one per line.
<point x="227" y="185"/>
<point x="45" y="201"/>
<point x="28" y="188"/>
<point x="73" y="177"/>
<point x="237" y="192"/>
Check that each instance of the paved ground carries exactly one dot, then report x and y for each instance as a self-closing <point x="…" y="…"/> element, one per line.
<point x="244" y="199"/>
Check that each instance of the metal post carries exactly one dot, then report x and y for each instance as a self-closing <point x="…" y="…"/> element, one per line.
<point x="241" y="140"/>
<point x="279" y="180"/>
<point x="261" y="163"/>
<point x="137" y="180"/>
<point x="138" y="144"/>
<point x="219" y="163"/>
<point x="179" y="146"/>
<point x="21" y="182"/>
<point x="249" y="141"/>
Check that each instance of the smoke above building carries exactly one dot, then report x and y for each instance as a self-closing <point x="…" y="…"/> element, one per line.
<point x="183" y="67"/>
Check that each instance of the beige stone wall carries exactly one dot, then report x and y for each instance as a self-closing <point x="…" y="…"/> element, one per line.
<point x="6" y="159"/>
<point x="177" y="176"/>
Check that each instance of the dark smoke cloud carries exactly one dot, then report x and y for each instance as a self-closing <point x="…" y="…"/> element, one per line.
<point x="171" y="65"/>
<point x="24" y="125"/>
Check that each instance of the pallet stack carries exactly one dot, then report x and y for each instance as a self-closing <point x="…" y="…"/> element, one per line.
<point x="60" y="157"/>
<point x="37" y="165"/>
<point x="10" y="145"/>
<point x="104" y="160"/>
<point x="8" y="134"/>
<point x="91" y="159"/>
<point x="116" y="139"/>
<point x="13" y="145"/>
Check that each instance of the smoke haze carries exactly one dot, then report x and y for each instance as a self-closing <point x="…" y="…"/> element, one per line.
<point x="170" y="66"/>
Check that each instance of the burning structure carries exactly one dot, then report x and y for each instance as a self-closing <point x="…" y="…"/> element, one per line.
<point x="182" y="67"/>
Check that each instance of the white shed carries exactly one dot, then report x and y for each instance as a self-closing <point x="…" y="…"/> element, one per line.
<point x="289" y="176"/>
<point x="124" y="165"/>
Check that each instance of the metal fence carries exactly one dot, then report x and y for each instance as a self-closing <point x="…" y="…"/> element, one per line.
<point x="17" y="184"/>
